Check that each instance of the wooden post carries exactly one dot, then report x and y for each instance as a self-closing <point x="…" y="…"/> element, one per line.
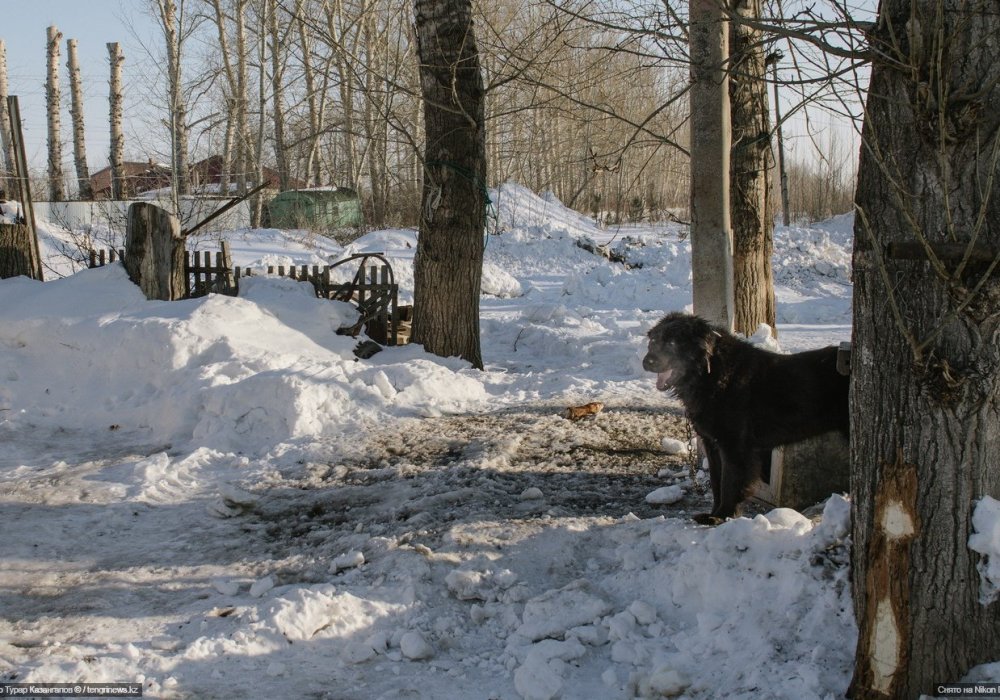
<point x="155" y="253"/>
<point x="24" y="186"/>
<point x="711" y="232"/>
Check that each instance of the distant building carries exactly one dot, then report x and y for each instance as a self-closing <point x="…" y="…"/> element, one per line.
<point x="206" y="179"/>
<point x="208" y="172"/>
<point x="138" y="178"/>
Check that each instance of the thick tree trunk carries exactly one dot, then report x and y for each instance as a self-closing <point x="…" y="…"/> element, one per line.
<point x="925" y="375"/>
<point x="711" y="231"/>
<point x="449" y="258"/>
<point x="85" y="192"/>
<point x="750" y="167"/>
<point x="116" y="101"/>
<point x="57" y="191"/>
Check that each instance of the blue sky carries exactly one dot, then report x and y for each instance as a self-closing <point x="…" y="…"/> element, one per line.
<point x="93" y="23"/>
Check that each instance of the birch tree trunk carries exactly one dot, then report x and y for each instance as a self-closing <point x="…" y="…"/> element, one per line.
<point x="116" y="101"/>
<point x="449" y="257"/>
<point x="750" y="166"/>
<point x="312" y="162"/>
<point x="337" y="23"/>
<point x="6" y="138"/>
<point x="172" y="31"/>
<point x="240" y="94"/>
<point x="229" y="140"/>
<point x="57" y="191"/>
<point x="925" y="369"/>
<point x="277" y="92"/>
<point x="85" y="191"/>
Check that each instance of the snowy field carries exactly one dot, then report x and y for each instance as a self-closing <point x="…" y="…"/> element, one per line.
<point x="216" y="499"/>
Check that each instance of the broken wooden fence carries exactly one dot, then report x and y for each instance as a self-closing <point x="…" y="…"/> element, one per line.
<point x="372" y="290"/>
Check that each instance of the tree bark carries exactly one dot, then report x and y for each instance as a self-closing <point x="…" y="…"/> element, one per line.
<point x="313" y="176"/>
<point x="15" y="251"/>
<point x="925" y="374"/>
<point x="711" y="233"/>
<point x="172" y="32"/>
<point x="154" y="252"/>
<point x="449" y="257"/>
<point x="115" y="107"/>
<point x="750" y="167"/>
<point x="85" y="192"/>
<point x="277" y="45"/>
<point x="57" y="191"/>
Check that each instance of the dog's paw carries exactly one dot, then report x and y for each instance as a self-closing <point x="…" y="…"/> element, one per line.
<point x="707" y="519"/>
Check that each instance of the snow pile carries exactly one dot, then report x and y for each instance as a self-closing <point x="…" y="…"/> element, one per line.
<point x="218" y="372"/>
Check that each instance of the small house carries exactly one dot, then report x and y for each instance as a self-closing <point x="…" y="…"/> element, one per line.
<point x="318" y="209"/>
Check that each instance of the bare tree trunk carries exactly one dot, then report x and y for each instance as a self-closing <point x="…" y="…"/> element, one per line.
<point x="172" y="31"/>
<point x="6" y="138"/>
<point x="85" y="193"/>
<point x="312" y="165"/>
<point x="57" y="191"/>
<point x="277" y="93"/>
<point x="229" y="140"/>
<point x="750" y="201"/>
<point x="334" y="12"/>
<point x="116" y="101"/>
<point x="925" y="370"/>
<point x="449" y="258"/>
<point x="242" y="102"/>
<point x="711" y="235"/>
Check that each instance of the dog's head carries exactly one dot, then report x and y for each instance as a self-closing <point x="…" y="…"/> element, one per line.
<point x="680" y="349"/>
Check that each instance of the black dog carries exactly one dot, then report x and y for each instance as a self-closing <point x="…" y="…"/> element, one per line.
<point x="742" y="400"/>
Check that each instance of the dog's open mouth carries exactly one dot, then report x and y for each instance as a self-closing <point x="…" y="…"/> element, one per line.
<point x="663" y="379"/>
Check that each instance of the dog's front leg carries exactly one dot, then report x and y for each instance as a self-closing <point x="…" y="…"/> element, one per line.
<point x="714" y="457"/>
<point x="736" y="478"/>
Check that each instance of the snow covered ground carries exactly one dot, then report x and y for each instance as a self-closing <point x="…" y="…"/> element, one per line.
<point x="215" y="498"/>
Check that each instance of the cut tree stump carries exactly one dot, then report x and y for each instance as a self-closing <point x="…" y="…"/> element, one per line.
<point x="155" y="253"/>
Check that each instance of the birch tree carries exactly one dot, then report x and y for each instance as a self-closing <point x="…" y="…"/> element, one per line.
<point x="85" y="191"/>
<point x="6" y="138"/>
<point x="115" y="108"/>
<point x="171" y="18"/>
<point x="57" y="190"/>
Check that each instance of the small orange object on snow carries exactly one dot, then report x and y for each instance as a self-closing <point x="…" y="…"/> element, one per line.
<point x="578" y="412"/>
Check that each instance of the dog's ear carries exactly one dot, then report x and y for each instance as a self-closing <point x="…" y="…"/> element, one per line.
<point x="708" y="345"/>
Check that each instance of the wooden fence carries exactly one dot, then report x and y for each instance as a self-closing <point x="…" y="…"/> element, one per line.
<point x="372" y="289"/>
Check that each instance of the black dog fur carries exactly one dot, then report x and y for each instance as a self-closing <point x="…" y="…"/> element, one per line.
<point x="742" y="400"/>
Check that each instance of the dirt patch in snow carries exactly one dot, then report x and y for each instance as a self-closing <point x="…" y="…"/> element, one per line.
<point x="418" y="478"/>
